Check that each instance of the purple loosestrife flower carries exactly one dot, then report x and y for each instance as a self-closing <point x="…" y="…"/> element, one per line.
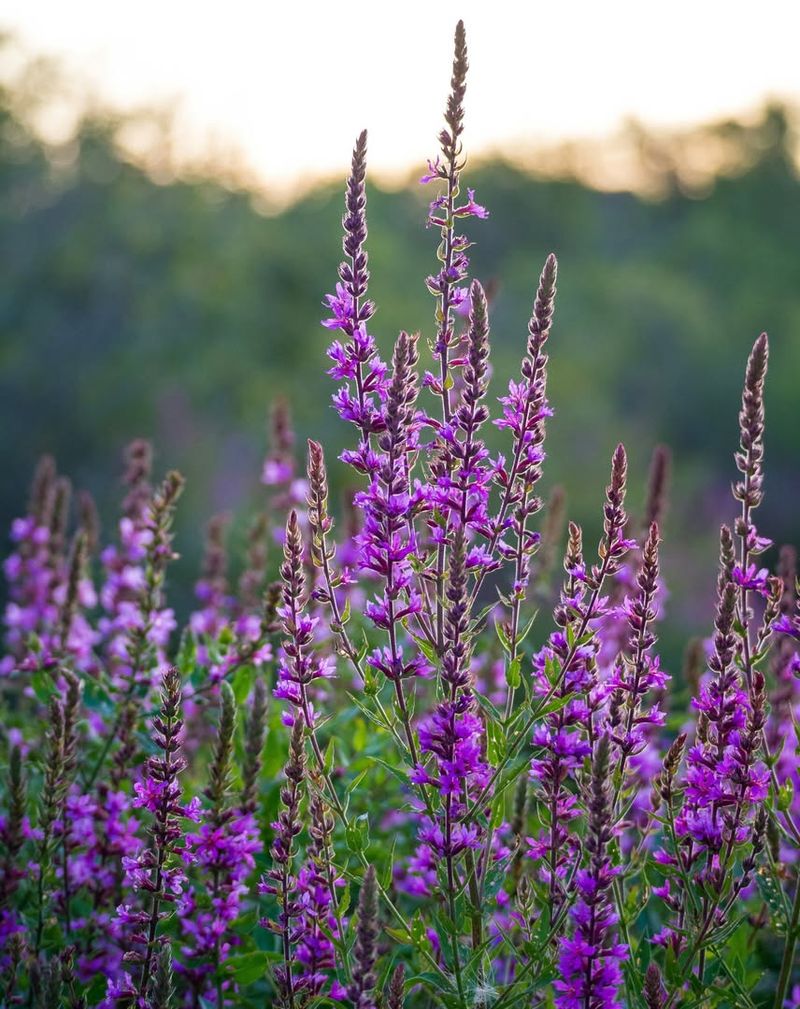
<point x="387" y="541"/>
<point x="561" y="740"/>
<point x="725" y="780"/>
<point x="138" y="625"/>
<point x="723" y="776"/>
<point x="27" y="570"/>
<point x="335" y="586"/>
<point x="157" y="872"/>
<point x="637" y="673"/>
<point x="749" y="492"/>
<point x="48" y="590"/>
<point x="781" y="734"/>
<point x="317" y="881"/>
<point x="589" y="959"/>
<point x="12" y="838"/>
<point x="447" y="286"/>
<point x="654" y="994"/>
<point x="54" y="787"/>
<point x="722" y="704"/>
<point x="298" y="664"/>
<point x="223" y="851"/>
<point x="454" y="736"/>
<point x="615" y="630"/>
<point x="279" y="880"/>
<point x="356" y="360"/>
<point x="566" y="668"/>
<point x="525" y="410"/>
<point x="76" y="638"/>
<point x="70" y="839"/>
<point x="462" y="490"/>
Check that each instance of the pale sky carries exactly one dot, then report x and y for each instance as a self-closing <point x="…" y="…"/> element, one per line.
<point x="288" y="85"/>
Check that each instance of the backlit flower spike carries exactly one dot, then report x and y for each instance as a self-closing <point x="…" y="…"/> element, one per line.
<point x="355" y="357"/>
<point x="299" y="665"/>
<point x="449" y="285"/>
<point x="525" y="411"/>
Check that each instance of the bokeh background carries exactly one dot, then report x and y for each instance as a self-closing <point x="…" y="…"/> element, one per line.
<point x="170" y="195"/>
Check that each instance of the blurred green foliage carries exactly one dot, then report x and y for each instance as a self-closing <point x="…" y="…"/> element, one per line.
<point x="178" y="311"/>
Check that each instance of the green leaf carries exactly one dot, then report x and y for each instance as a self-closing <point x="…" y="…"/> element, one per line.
<point x="242" y="683"/>
<point x="513" y="678"/>
<point x="371" y="715"/>
<point x="487" y="706"/>
<point x="388" y="873"/>
<point x="401" y="775"/>
<point x="97" y="989"/>
<point x="247" y="967"/>
<point x="356" y="782"/>
<point x="43" y="685"/>
<point x="503" y="636"/>
<point x="427" y="650"/>
<point x="245" y="923"/>
<point x="357" y="834"/>
<point x="527" y="628"/>
<point x="553" y="705"/>
<point x="330" y="756"/>
<point x="772" y="895"/>
<point x="359" y="735"/>
<point x="494" y="742"/>
<point x="344" y="899"/>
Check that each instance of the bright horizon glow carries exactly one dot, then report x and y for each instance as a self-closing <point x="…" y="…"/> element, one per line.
<point x="283" y="89"/>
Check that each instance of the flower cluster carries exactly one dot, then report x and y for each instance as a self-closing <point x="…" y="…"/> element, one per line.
<point x="477" y="808"/>
<point x="589" y="959"/>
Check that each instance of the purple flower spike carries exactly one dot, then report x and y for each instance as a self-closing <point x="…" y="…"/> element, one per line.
<point x="589" y="960"/>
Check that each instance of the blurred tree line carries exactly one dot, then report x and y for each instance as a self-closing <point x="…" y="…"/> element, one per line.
<point x="178" y="311"/>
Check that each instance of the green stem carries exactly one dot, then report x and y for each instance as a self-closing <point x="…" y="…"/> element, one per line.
<point x="788" y="951"/>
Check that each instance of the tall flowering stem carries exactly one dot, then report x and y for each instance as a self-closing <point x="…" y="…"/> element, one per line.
<point x="158" y="870"/>
<point x="449" y="284"/>
<point x="12" y="836"/>
<point x="298" y="665"/>
<point x="223" y="849"/>
<point x="612" y="549"/>
<point x="280" y="880"/>
<point x="255" y="736"/>
<point x="749" y="489"/>
<point x="637" y="674"/>
<point x="140" y="624"/>
<point x="525" y="411"/>
<point x="70" y="766"/>
<point x="387" y="542"/>
<point x="394" y="994"/>
<point x="356" y="360"/>
<point x="444" y="213"/>
<point x="589" y="960"/>
<point x="495" y="807"/>
<point x="562" y="736"/>
<point x="323" y="550"/>
<point x="54" y="790"/>
<point x="365" y="950"/>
